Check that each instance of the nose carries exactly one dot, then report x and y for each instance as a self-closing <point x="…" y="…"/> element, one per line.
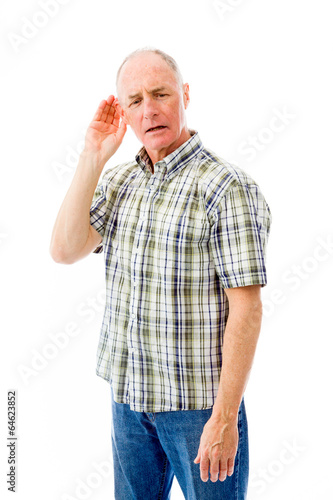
<point x="150" y="108"/>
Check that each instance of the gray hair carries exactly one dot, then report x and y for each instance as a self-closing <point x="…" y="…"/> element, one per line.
<point x="168" y="59"/>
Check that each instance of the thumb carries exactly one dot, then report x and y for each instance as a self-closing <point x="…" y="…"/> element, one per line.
<point x="198" y="458"/>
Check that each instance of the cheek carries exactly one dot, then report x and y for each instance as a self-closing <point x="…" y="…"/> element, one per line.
<point x="181" y="116"/>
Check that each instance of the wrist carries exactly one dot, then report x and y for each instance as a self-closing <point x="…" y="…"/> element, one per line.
<point x="91" y="162"/>
<point x="227" y="414"/>
<point x="92" y="157"/>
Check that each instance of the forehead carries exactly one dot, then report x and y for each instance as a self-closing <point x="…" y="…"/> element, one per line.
<point x="145" y="71"/>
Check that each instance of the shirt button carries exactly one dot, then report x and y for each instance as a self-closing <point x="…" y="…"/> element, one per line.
<point x="134" y="283"/>
<point x="133" y="316"/>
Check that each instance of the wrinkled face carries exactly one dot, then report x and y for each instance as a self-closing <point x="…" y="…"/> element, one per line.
<point x="153" y="104"/>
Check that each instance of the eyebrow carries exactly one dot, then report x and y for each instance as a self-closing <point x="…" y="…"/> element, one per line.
<point x="153" y="91"/>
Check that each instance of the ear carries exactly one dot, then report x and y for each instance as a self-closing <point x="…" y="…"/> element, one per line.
<point x="121" y="111"/>
<point x="186" y="94"/>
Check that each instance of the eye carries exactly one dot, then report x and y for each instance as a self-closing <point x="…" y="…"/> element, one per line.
<point x="133" y="103"/>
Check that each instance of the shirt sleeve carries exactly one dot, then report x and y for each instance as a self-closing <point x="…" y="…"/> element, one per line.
<point x="97" y="213"/>
<point x="239" y="237"/>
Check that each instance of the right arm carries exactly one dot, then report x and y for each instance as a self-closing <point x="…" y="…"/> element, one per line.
<point x="73" y="237"/>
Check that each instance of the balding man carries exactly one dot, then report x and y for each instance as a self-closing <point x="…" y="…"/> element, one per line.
<point x="184" y="236"/>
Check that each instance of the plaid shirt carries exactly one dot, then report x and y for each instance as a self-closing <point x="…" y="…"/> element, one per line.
<point x="172" y="241"/>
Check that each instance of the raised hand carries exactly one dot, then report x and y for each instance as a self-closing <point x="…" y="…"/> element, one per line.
<point x="106" y="131"/>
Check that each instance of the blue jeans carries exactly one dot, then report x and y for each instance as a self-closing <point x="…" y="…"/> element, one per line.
<point x="150" y="448"/>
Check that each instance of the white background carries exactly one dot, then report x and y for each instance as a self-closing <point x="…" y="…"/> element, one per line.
<point x="247" y="61"/>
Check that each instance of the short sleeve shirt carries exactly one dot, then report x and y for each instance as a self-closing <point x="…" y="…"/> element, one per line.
<point x="173" y="240"/>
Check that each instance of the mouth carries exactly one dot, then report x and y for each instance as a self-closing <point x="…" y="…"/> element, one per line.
<point x="155" y="129"/>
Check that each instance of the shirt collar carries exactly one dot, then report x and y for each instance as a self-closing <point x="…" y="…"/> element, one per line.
<point x="176" y="160"/>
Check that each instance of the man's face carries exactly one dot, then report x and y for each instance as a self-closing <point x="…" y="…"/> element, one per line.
<point x="153" y="104"/>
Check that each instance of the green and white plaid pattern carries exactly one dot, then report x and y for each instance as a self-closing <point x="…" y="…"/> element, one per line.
<point x="172" y="241"/>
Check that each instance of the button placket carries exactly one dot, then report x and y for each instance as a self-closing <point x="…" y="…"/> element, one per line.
<point x="136" y="263"/>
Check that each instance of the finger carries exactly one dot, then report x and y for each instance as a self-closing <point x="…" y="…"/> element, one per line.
<point x="121" y="113"/>
<point x="214" y="471"/>
<point x="231" y="465"/>
<point x="110" y="117"/>
<point x="204" y="468"/>
<point x="122" y="130"/>
<point x="116" y="118"/>
<point x="115" y="114"/>
<point x="100" y="109"/>
<point x="111" y="99"/>
<point x="223" y="470"/>
<point x="105" y="113"/>
<point x="109" y="110"/>
<point x="215" y="457"/>
<point x="198" y="457"/>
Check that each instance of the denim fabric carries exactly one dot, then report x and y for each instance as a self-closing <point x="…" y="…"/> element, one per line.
<point x="150" y="448"/>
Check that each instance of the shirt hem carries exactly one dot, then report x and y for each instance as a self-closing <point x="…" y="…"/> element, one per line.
<point x="154" y="409"/>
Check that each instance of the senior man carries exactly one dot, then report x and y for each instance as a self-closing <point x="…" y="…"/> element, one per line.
<point x="184" y="235"/>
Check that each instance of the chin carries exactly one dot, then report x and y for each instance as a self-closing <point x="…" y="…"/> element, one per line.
<point x="158" y="143"/>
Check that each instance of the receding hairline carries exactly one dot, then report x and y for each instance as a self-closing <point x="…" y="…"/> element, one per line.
<point x="146" y="50"/>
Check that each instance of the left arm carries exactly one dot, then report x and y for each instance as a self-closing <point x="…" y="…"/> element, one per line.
<point x="219" y="440"/>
